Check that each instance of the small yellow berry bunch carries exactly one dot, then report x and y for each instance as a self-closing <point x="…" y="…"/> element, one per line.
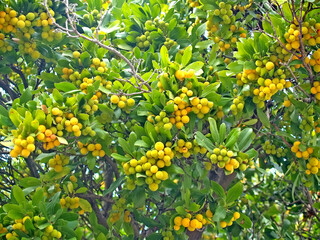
<point x="58" y="162"/>
<point x="150" y="164"/>
<point x="95" y="149"/>
<point x="122" y="101"/>
<point x="189" y="222"/>
<point x="22" y="146"/>
<point x="236" y="215"/>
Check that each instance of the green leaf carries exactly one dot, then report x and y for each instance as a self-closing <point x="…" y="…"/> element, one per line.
<point x="232" y="137"/>
<point x="37" y="197"/>
<point x="85" y="205"/>
<point x="26" y="96"/>
<point x="65" y="86"/>
<point x="18" y="194"/>
<point x="245" y="139"/>
<point x="30" y="182"/>
<point x="125" y="146"/>
<point x="263" y="117"/>
<point x="218" y="189"/>
<point x="234" y="192"/>
<point x="114" y="185"/>
<point x="120" y="157"/>
<point x="222" y="132"/>
<point x="219" y="214"/>
<point x="244" y="221"/>
<point x="204" y="142"/>
<point x="164" y="57"/>
<point x="139" y="197"/>
<point x="187" y="54"/>
<point x="214" y="130"/>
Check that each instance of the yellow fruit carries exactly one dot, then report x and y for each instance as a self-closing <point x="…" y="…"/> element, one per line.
<point x="154" y="169"/>
<point x="177" y="221"/>
<point x="194" y="223"/>
<point x="114" y="99"/>
<point x="25" y="153"/>
<point x="236" y="215"/>
<point x="286" y="103"/>
<point x="153" y="187"/>
<point x="130" y="102"/>
<point x="159" y="146"/>
<point x="180" y="75"/>
<point x="185" y="222"/>
<point x="121" y="104"/>
<point x="223" y="224"/>
<point x="55" y="111"/>
<point x="269" y="65"/>
<point x="96" y="61"/>
<point x="76" y="54"/>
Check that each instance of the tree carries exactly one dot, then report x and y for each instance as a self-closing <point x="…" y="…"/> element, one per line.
<point x="159" y="119"/>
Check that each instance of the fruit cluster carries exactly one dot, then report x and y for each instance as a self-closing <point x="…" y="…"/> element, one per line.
<point x="70" y="202"/>
<point x="181" y="109"/>
<point x="313" y="166"/>
<point x="150" y="164"/>
<point x="58" y="162"/>
<point x="243" y="8"/>
<point x="301" y="153"/>
<point x="273" y="150"/>
<point x="88" y="131"/>
<point x="307" y="123"/>
<point x="236" y="216"/>
<point x="23" y="27"/>
<point x="4" y="45"/>
<point x="310" y="35"/>
<point x="73" y="125"/>
<point x="237" y="106"/>
<point x="167" y="235"/>
<point x="189" y="222"/>
<point x="224" y="159"/>
<point x="48" y="137"/>
<point x="183" y="148"/>
<point x="316" y="126"/>
<point x="95" y="149"/>
<point x="122" y="102"/>
<point x="193" y="3"/>
<point x="99" y="65"/>
<point x="218" y="21"/>
<point x="91" y="107"/>
<point x="22" y="147"/>
<point x="181" y="75"/>
<point x="50" y="233"/>
<point x="117" y="209"/>
<point x="160" y="121"/>
<point x="169" y="43"/>
<point x="315" y="90"/>
<point x="144" y="41"/>
<point x="201" y="106"/>
<point x="2" y="229"/>
<point x="220" y="112"/>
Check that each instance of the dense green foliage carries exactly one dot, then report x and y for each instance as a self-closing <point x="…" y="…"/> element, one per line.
<point x="159" y="119"/>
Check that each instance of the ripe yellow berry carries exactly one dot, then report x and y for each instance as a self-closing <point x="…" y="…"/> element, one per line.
<point x="223" y="224"/>
<point x="286" y="103"/>
<point x="114" y="99"/>
<point x="236" y="215"/>
<point x="180" y="75"/>
<point x="269" y="65"/>
<point x="121" y="104"/>
<point x="159" y="146"/>
<point x="177" y="221"/>
<point x="185" y="222"/>
<point x="55" y="111"/>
